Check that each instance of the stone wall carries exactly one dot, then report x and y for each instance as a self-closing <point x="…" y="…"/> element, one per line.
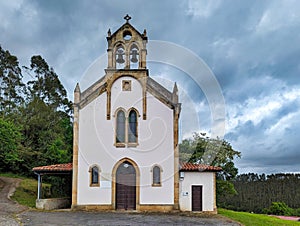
<point x="51" y="204"/>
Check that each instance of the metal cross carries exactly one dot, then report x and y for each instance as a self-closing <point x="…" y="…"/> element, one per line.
<point x="127" y="18"/>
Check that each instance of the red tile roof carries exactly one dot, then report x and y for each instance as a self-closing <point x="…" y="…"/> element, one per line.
<point x="67" y="167"/>
<point x="187" y="166"/>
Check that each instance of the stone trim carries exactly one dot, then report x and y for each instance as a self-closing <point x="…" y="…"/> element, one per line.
<point x="129" y="27"/>
<point x="126" y="85"/>
<point x="91" y="207"/>
<point x="142" y="208"/>
<point x="108" y="104"/>
<point x="148" y="85"/>
<point x="126" y="143"/>
<point x="156" y="207"/>
<point x="91" y="175"/>
<point x="75" y="154"/>
<point x="160" y="175"/>
<point x="112" y="75"/>
<point x="162" y="94"/>
<point x="95" y="86"/>
<point x="91" y="95"/>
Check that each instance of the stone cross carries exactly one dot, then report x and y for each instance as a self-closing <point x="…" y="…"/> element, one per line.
<point x="127" y="18"/>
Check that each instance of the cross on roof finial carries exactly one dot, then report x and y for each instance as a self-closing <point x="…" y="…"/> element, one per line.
<point x="127" y="18"/>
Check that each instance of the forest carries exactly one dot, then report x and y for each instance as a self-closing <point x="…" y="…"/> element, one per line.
<point x="35" y="117"/>
<point x="256" y="193"/>
<point x="36" y="129"/>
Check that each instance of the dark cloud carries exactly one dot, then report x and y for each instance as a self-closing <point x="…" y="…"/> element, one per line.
<point x="252" y="47"/>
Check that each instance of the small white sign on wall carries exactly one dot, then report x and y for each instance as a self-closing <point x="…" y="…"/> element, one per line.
<point x="105" y="184"/>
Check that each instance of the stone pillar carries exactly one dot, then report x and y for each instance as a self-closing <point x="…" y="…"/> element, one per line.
<point x="142" y="64"/>
<point x="108" y="104"/>
<point x="176" y="115"/>
<point x="75" y="144"/>
<point x="110" y="56"/>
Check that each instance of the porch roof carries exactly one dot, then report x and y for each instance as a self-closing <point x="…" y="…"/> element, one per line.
<point x="188" y="166"/>
<point x="54" y="169"/>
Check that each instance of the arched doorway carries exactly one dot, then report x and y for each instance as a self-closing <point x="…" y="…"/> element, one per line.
<point x="126" y="186"/>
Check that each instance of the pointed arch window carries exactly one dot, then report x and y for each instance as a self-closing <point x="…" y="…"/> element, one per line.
<point x="121" y="125"/>
<point x="156" y="176"/>
<point x="132" y="127"/>
<point x="94" y="176"/>
<point x="126" y="128"/>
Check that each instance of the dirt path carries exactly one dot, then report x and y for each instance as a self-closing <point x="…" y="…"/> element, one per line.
<point x="9" y="208"/>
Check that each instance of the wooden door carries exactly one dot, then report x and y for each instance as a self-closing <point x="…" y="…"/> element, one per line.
<point x="126" y="187"/>
<point x="196" y="198"/>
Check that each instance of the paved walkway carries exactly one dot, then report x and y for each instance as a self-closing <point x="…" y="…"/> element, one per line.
<point x="13" y="214"/>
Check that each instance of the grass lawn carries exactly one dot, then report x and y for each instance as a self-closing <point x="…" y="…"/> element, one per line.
<point x="26" y="193"/>
<point x="255" y="219"/>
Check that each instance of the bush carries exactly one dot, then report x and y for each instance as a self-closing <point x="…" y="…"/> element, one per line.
<point x="297" y="212"/>
<point x="279" y="208"/>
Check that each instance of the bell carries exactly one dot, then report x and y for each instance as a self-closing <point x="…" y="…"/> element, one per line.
<point x="134" y="54"/>
<point x="120" y="59"/>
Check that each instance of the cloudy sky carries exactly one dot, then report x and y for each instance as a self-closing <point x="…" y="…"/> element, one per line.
<point x="251" y="47"/>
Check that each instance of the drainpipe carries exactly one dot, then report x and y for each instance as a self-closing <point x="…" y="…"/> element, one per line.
<point x="39" y="185"/>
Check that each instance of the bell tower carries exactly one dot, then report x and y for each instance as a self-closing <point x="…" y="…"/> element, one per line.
<point x="126" y="57"/>
<point x="127" y="47"/>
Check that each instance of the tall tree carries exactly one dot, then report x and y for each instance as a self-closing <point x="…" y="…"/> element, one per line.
<point x="46" y="86"/>
<point x="11" y="85"/>
<point x="47" y="117"/>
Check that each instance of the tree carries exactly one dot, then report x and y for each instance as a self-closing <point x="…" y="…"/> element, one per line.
<point x="11" y="85"/>
<point x="10" y="144"/>
<point x="47" y="86"/>
<point x="256" y="192"/>
<point x="46" y="120"/>
<point x="210" y="151"/>
<point x="216" y="152"/>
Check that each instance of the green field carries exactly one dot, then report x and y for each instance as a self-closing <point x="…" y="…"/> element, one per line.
<point x="252" y="219"/>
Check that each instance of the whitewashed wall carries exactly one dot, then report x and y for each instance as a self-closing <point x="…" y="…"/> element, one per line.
<point x="206" y="179"/>
<point x="96" y="146"/>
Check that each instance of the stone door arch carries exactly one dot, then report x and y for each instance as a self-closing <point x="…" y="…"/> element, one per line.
<point x="125" y="193"/>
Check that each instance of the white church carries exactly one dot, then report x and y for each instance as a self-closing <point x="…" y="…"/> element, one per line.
<point x="126" y="154"/>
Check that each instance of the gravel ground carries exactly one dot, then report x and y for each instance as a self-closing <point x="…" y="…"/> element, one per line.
<point x="35" y="218"/>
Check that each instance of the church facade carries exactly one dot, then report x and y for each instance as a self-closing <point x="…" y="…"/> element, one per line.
<point x="125" y="152"/>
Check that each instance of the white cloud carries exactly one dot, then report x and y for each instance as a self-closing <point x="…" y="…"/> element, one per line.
<point x="284" y="123"/>
<point x="203" y="8"/>
<point x="7" y="9"/>
<point x="259" y="107"/>
<point x="279" y="15"/>
<point x="254" y="110"/>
